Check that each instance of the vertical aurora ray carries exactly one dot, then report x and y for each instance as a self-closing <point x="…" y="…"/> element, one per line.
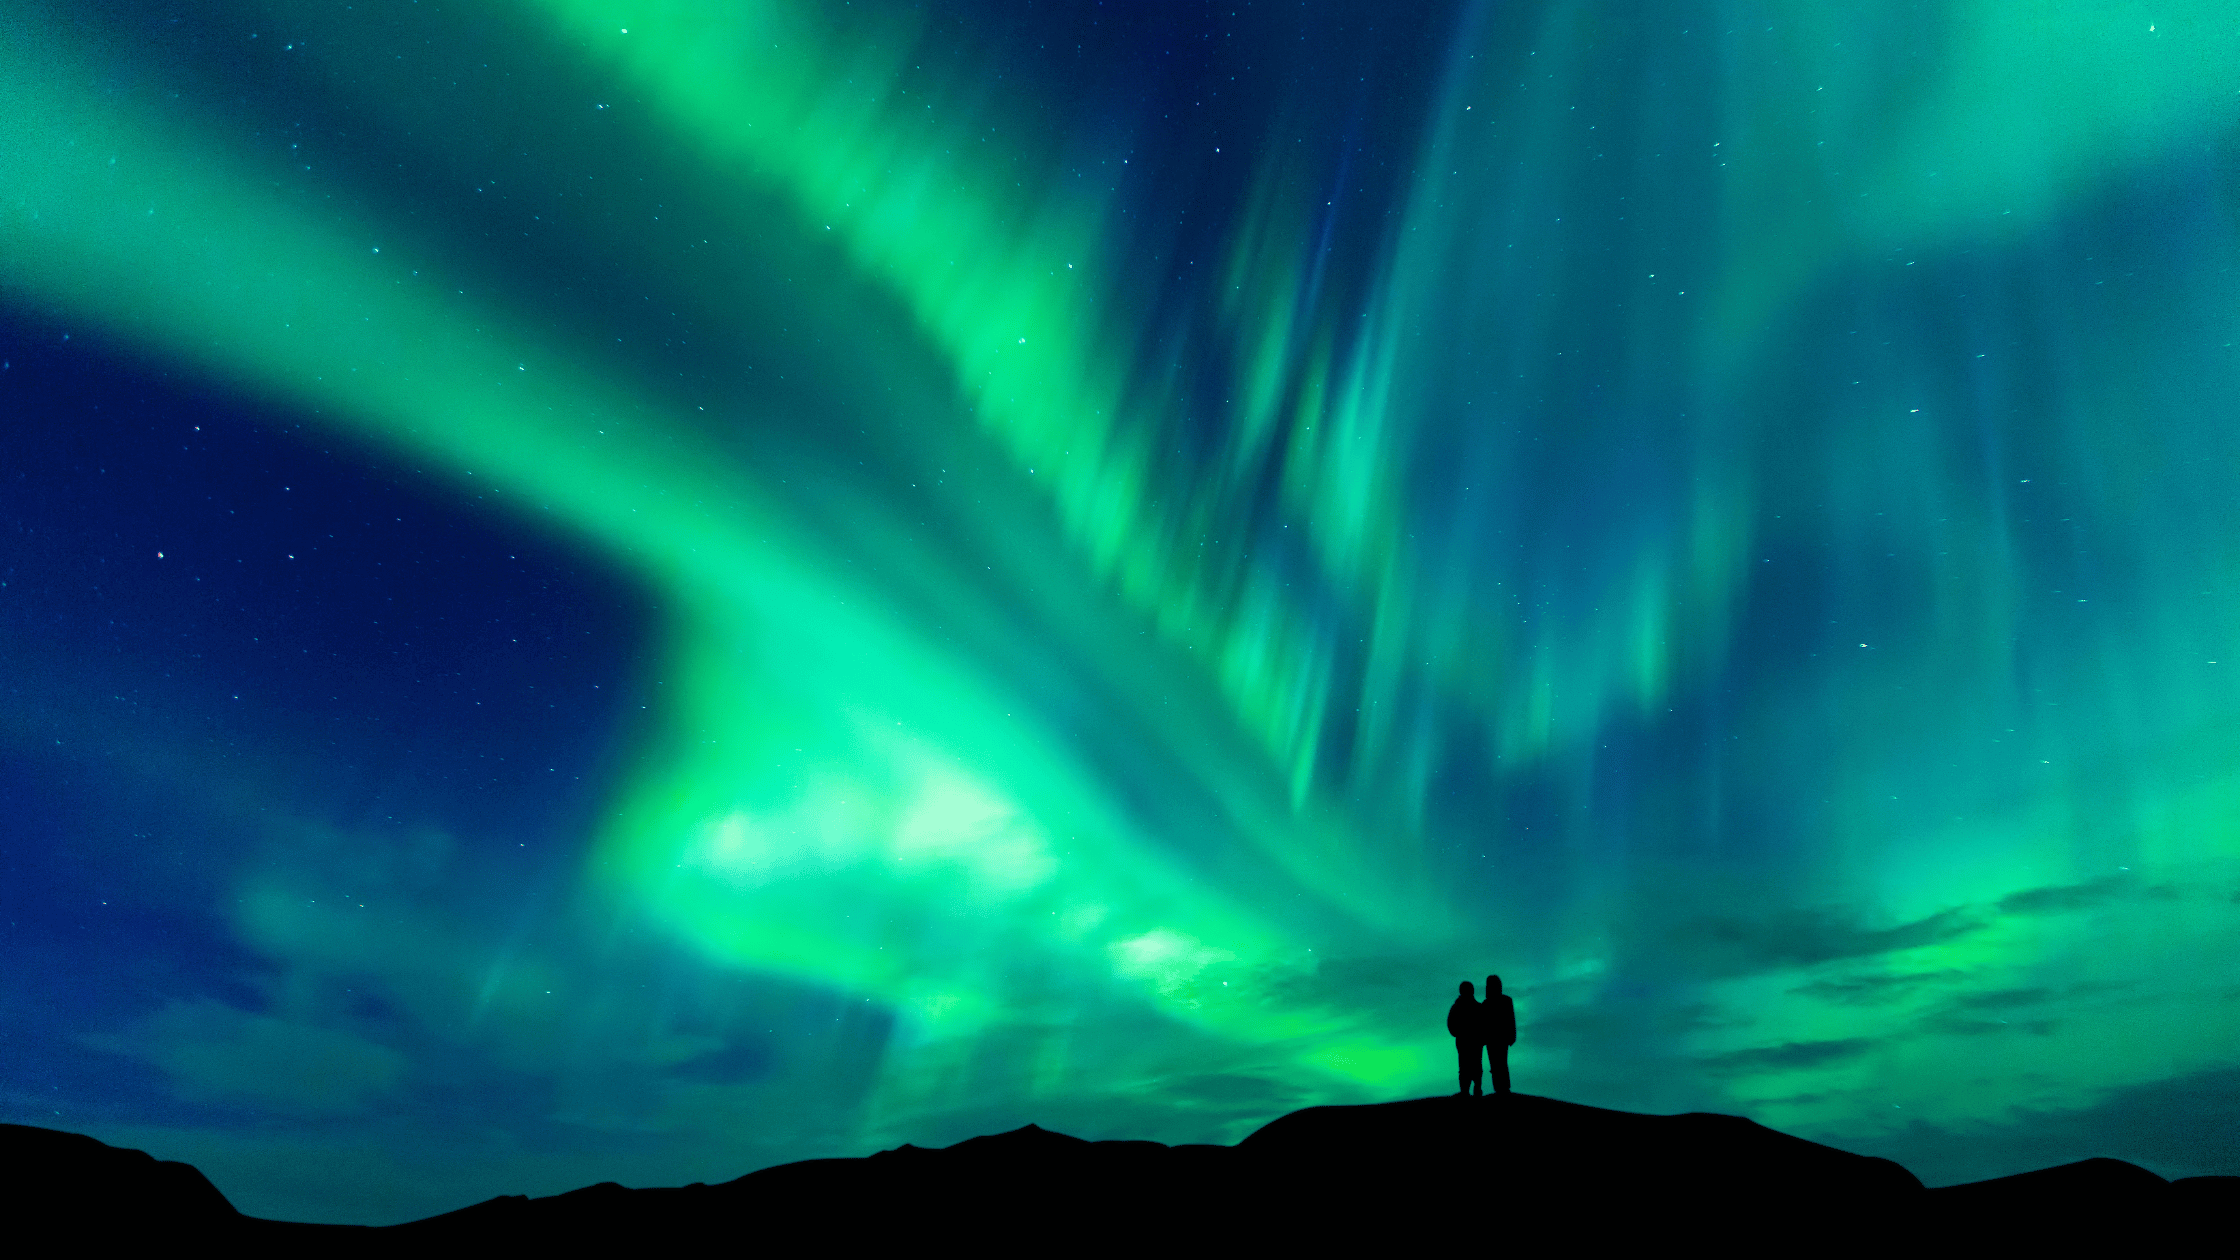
<point x="1694" y="532"/>
<point x="1911" y="594"/>
<point x="1019" y="293"/>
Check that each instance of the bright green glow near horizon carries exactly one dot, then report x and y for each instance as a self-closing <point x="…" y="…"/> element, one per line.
<point x="1980" y="860"/>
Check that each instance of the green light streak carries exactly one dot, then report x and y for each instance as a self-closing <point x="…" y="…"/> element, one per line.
<point x="758" y="856"/>
<point x="839" y="795"/>
<point x="1018" y="291"/>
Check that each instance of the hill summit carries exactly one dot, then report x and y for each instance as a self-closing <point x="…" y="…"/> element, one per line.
<point x="1418" y="1172"/>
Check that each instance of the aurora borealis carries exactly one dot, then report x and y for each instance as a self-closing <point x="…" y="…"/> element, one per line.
<point x="612" y="590"/>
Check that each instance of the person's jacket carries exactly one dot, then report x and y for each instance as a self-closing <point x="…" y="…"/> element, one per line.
<point x="1462" y="1021"/>
<point x="1499" y="1016"/>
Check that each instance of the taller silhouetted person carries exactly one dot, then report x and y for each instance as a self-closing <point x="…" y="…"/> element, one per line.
<point x="1498" y="1020"/>
<point x="1463" y="1024"/>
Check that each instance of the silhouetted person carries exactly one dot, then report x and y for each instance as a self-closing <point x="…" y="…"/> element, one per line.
<point x="1463" y="1024"/>
<point x="1497" y="1017"/>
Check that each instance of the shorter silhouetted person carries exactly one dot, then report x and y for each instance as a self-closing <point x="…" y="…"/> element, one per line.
<point x="1497" y="1017"/>
<point x="1464" y="1024"/>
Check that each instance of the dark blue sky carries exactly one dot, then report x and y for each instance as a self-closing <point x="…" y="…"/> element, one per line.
<point x="633" y="604"/>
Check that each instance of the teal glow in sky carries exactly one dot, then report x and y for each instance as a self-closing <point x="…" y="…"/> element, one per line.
<point x="1083" y="568"/>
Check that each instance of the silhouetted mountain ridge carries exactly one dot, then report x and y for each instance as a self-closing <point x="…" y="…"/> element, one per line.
<point x="1395" y="1172"/>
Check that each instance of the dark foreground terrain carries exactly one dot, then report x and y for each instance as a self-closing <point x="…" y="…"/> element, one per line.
<point x="1436" y="1170"/>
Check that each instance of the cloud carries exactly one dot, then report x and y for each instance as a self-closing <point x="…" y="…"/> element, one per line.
<point x="1787" y="1057"/>
<point x="1234" y="1090"/>
<point x="728" y="1064"/>
<point x="216" y="1053"/>
<point x="1396" y="990"/>
<point x="1985" y="1013"/>
<point x="1875" y="990"/>
<point x="1958" y="1025"/>
<point x="1802" y="938"/>
<point x="2003" y="999"/>
<point x="1703" y="1017"/>
<point x="2062" y="898"/>
<point x="1581" y="1026"/>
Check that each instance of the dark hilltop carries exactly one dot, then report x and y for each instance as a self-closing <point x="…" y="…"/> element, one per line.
<point x="1420" y="1172"/>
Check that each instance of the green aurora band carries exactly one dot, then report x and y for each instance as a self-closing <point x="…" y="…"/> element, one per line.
<point x="1160" y="770"/>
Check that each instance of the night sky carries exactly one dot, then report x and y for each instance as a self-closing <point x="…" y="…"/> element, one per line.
<point x="610" y="590"/>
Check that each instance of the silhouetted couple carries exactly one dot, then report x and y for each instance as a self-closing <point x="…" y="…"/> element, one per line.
<point x="1483" y="1029"/>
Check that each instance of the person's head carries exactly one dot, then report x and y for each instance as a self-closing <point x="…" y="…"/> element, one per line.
<point x="1467" y="991"/>
<point x="1493" y="985"/>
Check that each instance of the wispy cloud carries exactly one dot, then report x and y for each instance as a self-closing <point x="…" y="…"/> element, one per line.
<point x="1786" y="1057"/>
<point x="1802" y="938"/>
<point x="217" y="1053"/>
<point x="1877" y="990"/>
<point x="1953" y="1023"/>
<point x="2064" y="898"/>
<point x="2003" y="999"/>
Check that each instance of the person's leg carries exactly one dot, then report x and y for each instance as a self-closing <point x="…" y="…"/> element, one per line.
<point x="1466" y="1068"/>
<point x="1498" y="1058"/>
